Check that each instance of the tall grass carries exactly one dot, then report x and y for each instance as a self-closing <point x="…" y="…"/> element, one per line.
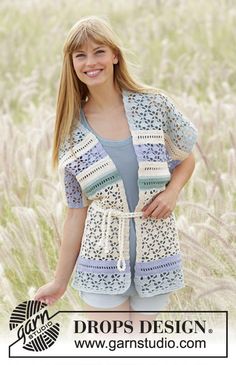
<point x="184" y="47"/>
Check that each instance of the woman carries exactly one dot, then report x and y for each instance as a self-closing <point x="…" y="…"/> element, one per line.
<point x="124" y="154"/>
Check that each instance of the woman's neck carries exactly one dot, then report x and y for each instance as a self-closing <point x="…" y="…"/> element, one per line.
<point x="101" y="103"/>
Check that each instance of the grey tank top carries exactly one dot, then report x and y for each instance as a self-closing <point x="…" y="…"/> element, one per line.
<point x="123" y="155"/>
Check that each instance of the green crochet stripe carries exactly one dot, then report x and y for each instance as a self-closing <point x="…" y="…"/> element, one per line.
<point x="101" y="183"/>
<point x="149" y="183"/>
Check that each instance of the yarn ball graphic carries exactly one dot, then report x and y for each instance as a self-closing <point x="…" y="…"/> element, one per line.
<point x="24" y="311"/>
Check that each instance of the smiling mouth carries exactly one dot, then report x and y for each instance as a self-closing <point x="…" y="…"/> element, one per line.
<point x="93" y="73"/>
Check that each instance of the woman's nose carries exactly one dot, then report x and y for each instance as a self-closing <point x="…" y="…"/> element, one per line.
<point x="90" y="61"/>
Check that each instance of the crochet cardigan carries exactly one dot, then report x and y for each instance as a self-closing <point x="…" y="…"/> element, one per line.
<point x="162" y="137"/>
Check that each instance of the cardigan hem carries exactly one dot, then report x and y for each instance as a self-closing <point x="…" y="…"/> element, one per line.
<point x="141" y="295"/>
<point x="157" y="292"/>
<point x="80" y="288"/>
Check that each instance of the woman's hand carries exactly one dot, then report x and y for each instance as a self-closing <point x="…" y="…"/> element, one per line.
<point x="50" y="292"/>
<point x="163" y="204"/>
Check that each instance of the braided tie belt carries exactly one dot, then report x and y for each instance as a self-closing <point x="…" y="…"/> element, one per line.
<point x="107" y="216"/>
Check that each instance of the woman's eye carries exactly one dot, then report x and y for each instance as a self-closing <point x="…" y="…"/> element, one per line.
<point x="79" y="55"/>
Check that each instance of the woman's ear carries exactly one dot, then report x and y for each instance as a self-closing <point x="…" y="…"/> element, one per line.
<point x="116" y="57"/>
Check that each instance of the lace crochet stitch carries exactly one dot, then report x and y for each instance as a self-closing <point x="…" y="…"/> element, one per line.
<point x="162" y="138"/>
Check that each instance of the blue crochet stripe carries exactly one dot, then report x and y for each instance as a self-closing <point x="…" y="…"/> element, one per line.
<point x="158" y="266"/>
<point x="100" y="266"/>
<point x="141" y="268"/>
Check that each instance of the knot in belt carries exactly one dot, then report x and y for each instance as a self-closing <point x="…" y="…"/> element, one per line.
<point x="106" y="220"/>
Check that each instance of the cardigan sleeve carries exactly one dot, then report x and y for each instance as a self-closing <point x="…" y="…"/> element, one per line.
<point x="180" y="134"/>
<point x="72" y="193"/>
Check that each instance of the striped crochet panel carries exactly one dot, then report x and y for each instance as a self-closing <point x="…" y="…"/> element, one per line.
<point x="101" y="276"/>
<point x="162" y="138"/>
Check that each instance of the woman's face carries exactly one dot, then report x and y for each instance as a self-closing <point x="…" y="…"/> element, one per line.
<point x="97" y="58"/>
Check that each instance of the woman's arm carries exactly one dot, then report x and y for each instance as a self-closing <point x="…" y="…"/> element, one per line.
<point x="181" y="174"/>
<point x="71" y="241"/>
<point x="165" y="202"/>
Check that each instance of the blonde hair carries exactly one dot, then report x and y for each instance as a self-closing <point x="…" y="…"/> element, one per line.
<point x="72" y="92"/>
